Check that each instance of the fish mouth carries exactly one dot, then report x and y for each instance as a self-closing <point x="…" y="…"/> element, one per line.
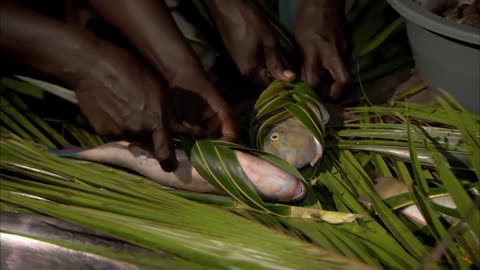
<point x="318" y="152"/>
<point x="299" y="192"/>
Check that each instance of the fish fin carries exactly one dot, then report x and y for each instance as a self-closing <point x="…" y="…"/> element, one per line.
<point x="414" y="214"/>
<point x="318" y="153"/>
<point x="74" y="151"/>
<point x="68" y="150"/>
<point x="383" y="179"/>
<point x="122" y="143"/>
<point x="324" y="114"/>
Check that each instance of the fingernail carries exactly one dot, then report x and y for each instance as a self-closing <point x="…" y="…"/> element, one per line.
<point x="335" y="94"/>
<point x="289" y="75"/>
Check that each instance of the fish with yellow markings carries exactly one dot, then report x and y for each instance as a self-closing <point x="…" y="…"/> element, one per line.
<point x="293" y="142"/>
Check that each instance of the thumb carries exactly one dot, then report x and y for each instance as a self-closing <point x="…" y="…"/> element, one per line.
<point x="164" y="150"/>
<point x="341" y="76"/>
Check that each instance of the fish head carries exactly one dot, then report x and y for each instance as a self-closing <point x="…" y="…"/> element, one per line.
<point x="292" y="142"/>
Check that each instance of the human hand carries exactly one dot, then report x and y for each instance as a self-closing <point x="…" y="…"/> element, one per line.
<point x="121" y="97"/>
<point x="250" y="40"/>
<point x="148" y="24"/>
<point x="319" y="33"/>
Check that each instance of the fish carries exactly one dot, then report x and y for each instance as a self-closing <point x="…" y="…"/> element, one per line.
<point x="387" y="187"/>
<point x="30" y="238"/>
<point x="272" y="183"/>
<point x="293" y="142"/>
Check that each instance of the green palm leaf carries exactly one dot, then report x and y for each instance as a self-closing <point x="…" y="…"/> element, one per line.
<point x="282" y="100"/>
<point x="433" y="149"/>
<point x="219" y="165"/>
<point x="123" y="211"/>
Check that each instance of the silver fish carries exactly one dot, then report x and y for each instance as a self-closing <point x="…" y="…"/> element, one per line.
<point x="272" y="183"/>
<point x="387" y="187"/>
<point x="35" y="240"/>
<point x="293" y="142"/>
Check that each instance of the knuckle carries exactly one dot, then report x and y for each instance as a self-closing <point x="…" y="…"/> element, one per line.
<point x="346" y="79"/>
<point x="330" y="53"/>
<point x="116" y="132"/>
<point x="136" y="127"/>
<point x="246" y="69"/>
<point x="101" y="129"/>
<point x="163" y="155"/>
<point x="270" y="43"/>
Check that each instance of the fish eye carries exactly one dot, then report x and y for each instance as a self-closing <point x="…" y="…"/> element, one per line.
<point x="274" y="137"/>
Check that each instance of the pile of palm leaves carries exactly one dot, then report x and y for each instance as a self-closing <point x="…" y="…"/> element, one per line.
<point x="434" y="151"/>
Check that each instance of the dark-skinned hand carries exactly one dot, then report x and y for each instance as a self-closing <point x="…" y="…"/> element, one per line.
<point x="149" y="25"/>
<point x="119" y="95"/>
<point x="319" y="33"/>
<point x="250" y="40"/>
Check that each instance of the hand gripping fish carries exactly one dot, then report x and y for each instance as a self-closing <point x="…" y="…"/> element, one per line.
<point x="272" y="183"/>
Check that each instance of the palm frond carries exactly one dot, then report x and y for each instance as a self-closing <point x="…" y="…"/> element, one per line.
<point x="381" y="237"/>
<point x="434" y="150"/>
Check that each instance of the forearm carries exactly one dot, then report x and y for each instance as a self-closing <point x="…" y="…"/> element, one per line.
<point x="149" y="25"/>
<point x="45" y="45"/>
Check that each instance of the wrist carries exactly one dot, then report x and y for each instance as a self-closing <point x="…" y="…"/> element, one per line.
<point x="73" y="58"/>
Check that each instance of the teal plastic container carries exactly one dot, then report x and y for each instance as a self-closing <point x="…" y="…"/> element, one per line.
<point x="446" y="54"/>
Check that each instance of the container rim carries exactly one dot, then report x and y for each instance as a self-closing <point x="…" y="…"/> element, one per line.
<point x="429" y="20"/>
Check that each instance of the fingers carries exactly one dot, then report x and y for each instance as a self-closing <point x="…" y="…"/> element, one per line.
<point x="187" y="129"/>
<point x="164" y="150"/>
<point x="311" y="70"/>
<point x="340" y="75"/>
<point x="275" y="66"/>
<point x="229" y="130"/>
<point x="261" y="76"/>
<point x="224" y="120"/>
<point x="222" y="124"/>
<point x="316" y="60"/>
